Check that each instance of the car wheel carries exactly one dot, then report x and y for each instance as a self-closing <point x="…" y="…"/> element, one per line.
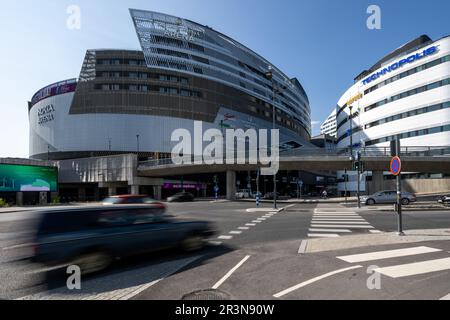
<point x="193" y="243"/>
<point x="370" y="202"/>
<point x="405" y="201"/>
<point x="92" y="262"/>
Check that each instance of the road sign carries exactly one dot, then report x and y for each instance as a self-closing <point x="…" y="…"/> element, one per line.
<point x="396" y="166"/>
<point x="216" y="189"/>
<point x="300" y="183"/>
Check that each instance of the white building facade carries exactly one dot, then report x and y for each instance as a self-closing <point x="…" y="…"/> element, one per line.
<point x="329" y="127"/>
<point x="405" y="95"/>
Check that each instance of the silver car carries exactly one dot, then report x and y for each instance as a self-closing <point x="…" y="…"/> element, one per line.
<point x="389" y="197"/>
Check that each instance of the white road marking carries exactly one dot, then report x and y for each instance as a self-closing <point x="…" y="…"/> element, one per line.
<point x="243" y="228"/>
<point x="341" y="222"/>
<point x="256" y="221"/>
<point x="250" y="224"/>
<point x="322" y="235"/>
<point x="412" y="269"/>
<point x="330" y="230"/>
<point x="303" y="246"/>
<point x="375" y="231"/>
<point x="221" y="281"/>
<point x="356" y="258"/>
<point x="348" y="226"/>
<point x="235" y="232"/>
<point x="447" y="297"/>
<point x="225" y="237"/>
<point x="261" y="219"/>
<point x="337" y="215"/>
<point x="339" y="219"/>
<point x="334" y="212"/>
<point x="304" y="284"/>
<point x="215" y="243"/>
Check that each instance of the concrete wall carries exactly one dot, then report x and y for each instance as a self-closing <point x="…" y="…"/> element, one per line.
<point x="412" y="185"/>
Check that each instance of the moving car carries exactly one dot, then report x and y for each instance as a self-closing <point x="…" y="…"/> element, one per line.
<point x="92" y="237"/>
<point x="130" y="199"/>
<point x="181" y="197"/>
<point x="389" y="197"/>
<point x="445" y="200"/>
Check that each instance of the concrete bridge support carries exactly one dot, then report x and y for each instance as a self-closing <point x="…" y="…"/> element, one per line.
<point x="231" y="185"/>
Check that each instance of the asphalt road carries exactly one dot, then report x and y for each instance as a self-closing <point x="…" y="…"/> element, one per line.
<point x="254" y="256"/>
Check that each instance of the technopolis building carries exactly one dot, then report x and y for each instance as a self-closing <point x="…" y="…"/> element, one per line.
<point x="407" y="95"/>
<point x="127" y="101"/>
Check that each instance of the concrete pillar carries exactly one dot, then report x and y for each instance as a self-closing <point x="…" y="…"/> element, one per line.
<point x="377" y="183"/>
<point x="19" y="199"/>
<point x="112" y="191"/>
<point x="43" y="200"/>
<point x="82" y="194"/>
<point x="231" y="185"/>
<point x="135" y="190"/>
<point x="157" y="192"/>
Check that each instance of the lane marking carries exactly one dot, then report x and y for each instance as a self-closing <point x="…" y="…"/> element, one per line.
<point x="215" y="243"/>
<point x="337" y="215"/>
<point x="322" y="235"/>
<point x="341" y="226"/>
<point x="225" y="237"/>
<point x="331" y="230"/>
<point x="334" y="212"/>
<point x="250" y="224"/>
<point x="412" y="269"/>
<point x="256" y="221"/>
<point x="243" y="228"/>
<point x="261" y="219"/>
<point x="235" y="232"/>
<point x="229" y="274"/>
<point x="378" y="255"/>
<point x="304" y="284"/>
<point x="303" y="246"/>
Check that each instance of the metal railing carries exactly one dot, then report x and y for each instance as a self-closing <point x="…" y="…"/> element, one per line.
<point x="411" y="151"/>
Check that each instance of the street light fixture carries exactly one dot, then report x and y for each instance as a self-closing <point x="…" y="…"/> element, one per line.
<point x="269" y="76"/>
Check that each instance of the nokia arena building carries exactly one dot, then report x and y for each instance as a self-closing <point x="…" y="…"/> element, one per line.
<point x="407" y="95"/>
<point x="131" y="101"/>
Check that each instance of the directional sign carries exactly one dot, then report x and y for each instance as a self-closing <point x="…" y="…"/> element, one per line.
<point x="396" y="166"/>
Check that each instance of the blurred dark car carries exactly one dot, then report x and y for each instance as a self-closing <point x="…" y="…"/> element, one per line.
<point x="181" y="197"/>
<point x="92" y="237"/>
<point x="130" y="199"/>
<point x="445" y="200"/>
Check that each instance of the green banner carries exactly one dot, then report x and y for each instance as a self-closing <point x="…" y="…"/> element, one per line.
<point x="15" y="178"/>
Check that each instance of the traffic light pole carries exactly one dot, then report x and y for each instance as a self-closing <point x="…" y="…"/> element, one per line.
<point x="399" y="193"/>
<point x="359" y="179"/>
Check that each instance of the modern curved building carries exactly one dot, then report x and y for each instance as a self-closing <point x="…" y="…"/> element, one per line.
<point x="131" y="101"/>
<point x="406" y="94"/>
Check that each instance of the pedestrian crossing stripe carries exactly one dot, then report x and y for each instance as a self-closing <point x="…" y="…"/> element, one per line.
<point x="379" y="255"/>
<point x="347" y="226"/>
<point x="412" y="269"/>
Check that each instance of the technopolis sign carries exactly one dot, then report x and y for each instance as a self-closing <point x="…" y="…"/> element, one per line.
<point x="401" y="63"/>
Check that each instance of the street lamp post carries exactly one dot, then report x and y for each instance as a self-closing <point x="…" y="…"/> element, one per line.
<point x="137" y="141"/>
<point x="269" y="76"/>
<point x="351" y="131"/>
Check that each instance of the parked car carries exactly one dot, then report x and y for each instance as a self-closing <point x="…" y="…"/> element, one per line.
<point x="130" y="199"/>
<point x="389" y="197"/>
<point x="445" y="200"/>
<point x="181" y="197"/>
<point x="244" y="194"/>
<point x="92" y="237"/>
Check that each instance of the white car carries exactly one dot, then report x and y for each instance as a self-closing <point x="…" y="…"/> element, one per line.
<point x="243" y="194"/>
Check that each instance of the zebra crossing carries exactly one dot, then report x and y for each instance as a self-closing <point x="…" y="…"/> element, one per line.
<point x="428" y="262"/>
<point x="334" y="222"/>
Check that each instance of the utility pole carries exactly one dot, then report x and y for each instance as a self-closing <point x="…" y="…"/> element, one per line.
<point x="345" y="184"/>
<point x="358" y="159"/>
<point x="396" y="150"/>
<point x="137" y="141"/>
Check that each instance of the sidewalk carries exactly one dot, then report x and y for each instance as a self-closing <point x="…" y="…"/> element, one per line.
<point x="367" y="240"/>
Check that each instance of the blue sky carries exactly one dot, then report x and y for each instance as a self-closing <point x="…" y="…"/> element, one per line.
<point x="324" y="43"/>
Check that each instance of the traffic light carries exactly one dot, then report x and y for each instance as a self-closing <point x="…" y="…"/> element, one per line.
<point x="358" y="166"/>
